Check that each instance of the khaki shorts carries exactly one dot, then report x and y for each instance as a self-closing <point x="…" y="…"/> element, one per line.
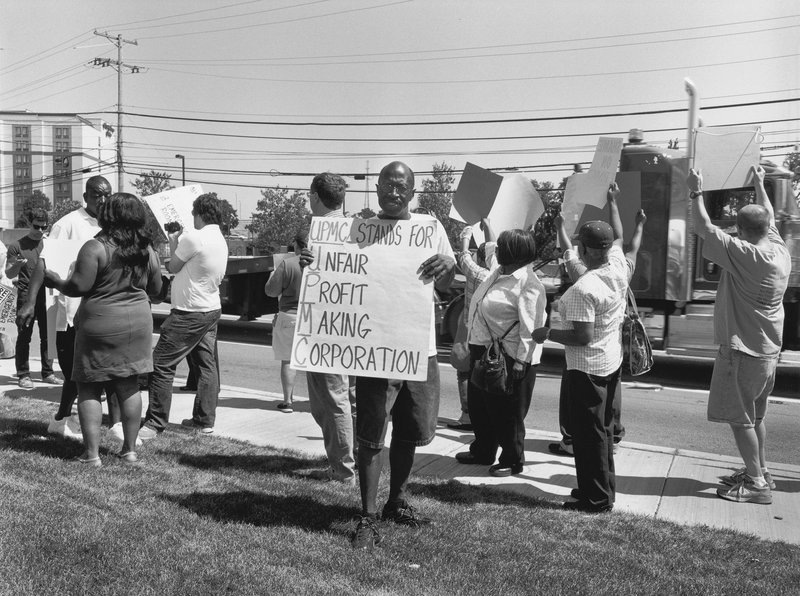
<point x="740" y="386"/>
<point x="283" y="335"/>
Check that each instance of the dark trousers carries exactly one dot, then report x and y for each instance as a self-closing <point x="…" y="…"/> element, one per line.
<point x="564" y="420"/>
<point x="65" y="349"/>
<point x="184" y="333"/>
<point x="591" y="412"/>
<point x="23" y="349"/>
<point x="499" y="420"/>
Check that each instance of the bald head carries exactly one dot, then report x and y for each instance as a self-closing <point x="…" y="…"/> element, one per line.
<point x="98" y="189"/>
<point x="753" y="223"/>
<point x="395" y="190"/>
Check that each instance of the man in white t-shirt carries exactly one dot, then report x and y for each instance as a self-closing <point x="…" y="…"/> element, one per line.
<point x="198" y="259"/>
<point x="748" y="326"/>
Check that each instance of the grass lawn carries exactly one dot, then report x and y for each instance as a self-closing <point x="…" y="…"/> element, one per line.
<point x="205" y="515"/>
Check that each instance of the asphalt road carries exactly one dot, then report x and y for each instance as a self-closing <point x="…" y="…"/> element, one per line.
<point x="665" y="407"/>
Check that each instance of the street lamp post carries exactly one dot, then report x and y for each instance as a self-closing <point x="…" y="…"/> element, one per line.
<point x="183" y="167"/>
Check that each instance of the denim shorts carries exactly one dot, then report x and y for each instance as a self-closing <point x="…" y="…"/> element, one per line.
<point x="413" y="407"/>
<point x="740" y="386"/>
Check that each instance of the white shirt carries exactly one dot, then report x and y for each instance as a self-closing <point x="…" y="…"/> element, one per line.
<point x="204" y="253"/>
<point x="598" y="296"/>
<point x="76" y="225"/>
<point x="500" y="301"/>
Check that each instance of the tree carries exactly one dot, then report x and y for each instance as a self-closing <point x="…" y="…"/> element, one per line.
<point x="792" y="162"/>
<point x="38" y="200"/>
<point x="544" y="231"/>
<point x="230" y="219"/>
<point x="278" y="217"/>
<point x="366" y="213"/>
<point x="62" y="207"/>
<point x="152" y="183"/>
<point x="437" y="197"/>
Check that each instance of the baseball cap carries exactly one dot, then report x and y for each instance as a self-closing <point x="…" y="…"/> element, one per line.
<point x="596" y="234"/>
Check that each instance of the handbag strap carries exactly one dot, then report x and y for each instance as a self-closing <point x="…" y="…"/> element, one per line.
<point x="632" y="303"/>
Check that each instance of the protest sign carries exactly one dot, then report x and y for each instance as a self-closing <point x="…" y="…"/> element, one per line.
<point x="590" y="188"/>
<point x="475" y="194"/>
<point x="8" y="310"/>
<point x="725" y="154"/>
<point x="60" y="255"/>
<point x="629" y="201"/>
<point x="174" y="205"/>
<point x="517" y="205"/>
<point x="364" y="309"/>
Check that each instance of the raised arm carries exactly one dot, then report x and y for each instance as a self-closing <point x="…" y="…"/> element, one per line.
<point x="702" y="222"/>
<point x="636" y="240"/>
<point x="761" y="193"/>
<point x="488" y="232"/>
<point x="613" y="213"/>
<point x="564" y="241"/>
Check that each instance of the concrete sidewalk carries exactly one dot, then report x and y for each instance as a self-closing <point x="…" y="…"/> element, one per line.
<point x="669" y="484"/>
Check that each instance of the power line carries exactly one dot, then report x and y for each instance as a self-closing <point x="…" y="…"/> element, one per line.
<point x="461" y="122"/>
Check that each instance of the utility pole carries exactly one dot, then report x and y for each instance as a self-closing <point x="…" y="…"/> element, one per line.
<point x="118" y="41"/>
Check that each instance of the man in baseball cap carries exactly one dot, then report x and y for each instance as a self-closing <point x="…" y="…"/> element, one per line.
<point x="596" y="234"/>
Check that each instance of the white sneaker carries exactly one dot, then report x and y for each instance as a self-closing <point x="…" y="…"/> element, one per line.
<point x="69" y="428"/>
<point x="116" y="432"/>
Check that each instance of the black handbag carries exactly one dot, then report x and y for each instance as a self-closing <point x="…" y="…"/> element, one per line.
<point x="637" y="353"/>
<point x="490" y="373"/>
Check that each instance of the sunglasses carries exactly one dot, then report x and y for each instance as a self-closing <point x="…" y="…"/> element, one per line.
<point x="35" y="227"/>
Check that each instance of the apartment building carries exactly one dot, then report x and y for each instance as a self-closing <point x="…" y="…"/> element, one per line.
<point x="52" y="153"/>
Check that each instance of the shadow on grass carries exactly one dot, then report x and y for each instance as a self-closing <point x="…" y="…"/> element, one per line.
<point x="266" y="463"/>
<point x="50" y="393"/>
<point x="263" y="509"/>
<point x="19" y="434"/>
<point x="457" y="493"/>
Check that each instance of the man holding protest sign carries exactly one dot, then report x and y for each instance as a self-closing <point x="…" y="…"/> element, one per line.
<point x="198" y="258"/>
<point x="748" y="326"/>
<point x="331" y="396"/>
<point x="412" y="405"/>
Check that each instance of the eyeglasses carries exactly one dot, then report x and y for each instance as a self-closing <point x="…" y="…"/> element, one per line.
<point x="35" y="227"/>
<point x="387" y="186"/>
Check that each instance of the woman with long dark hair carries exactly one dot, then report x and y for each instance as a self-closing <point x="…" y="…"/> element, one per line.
<point x="115" y="274"/>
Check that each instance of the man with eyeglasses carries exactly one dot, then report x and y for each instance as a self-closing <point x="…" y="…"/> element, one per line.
<point x="23" y="255"/>
<point x="413" y="406"/>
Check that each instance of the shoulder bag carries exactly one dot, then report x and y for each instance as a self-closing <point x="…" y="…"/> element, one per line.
<point x="637" y="354"/>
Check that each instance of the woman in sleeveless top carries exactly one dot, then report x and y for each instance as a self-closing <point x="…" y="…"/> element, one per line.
<point x="115" y="274"/>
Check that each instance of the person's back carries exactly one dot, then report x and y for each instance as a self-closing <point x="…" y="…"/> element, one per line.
<point x="749" y="313"/>
<point x="205" y="254"/>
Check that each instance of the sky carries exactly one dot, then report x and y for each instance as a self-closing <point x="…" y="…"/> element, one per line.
<point x="266" y="93"/>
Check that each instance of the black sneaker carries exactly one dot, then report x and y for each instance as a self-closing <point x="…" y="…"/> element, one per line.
<point x="585" y="507"/>
<point x="366" y="535"/>
<point x="404" y="514"/>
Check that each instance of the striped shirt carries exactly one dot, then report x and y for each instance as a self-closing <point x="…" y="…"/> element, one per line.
<point x="598" y="296"/>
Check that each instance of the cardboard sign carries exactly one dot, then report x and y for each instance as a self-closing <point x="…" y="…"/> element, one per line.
<point x="629" y="201"/>
<point x="591" y="188"/>
<point x="8" y="310"/>
<point x="174" y="205"/>
<point x="475" y="194"/>
<point x="725" y="154"/>
<point x="364" y="309"/>
<point x="60" y="255"/>
<point x="517" y="205"/>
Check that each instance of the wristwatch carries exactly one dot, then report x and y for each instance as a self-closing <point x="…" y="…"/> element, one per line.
<point x="695" y="193"/>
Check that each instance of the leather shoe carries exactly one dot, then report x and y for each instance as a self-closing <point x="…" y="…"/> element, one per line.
<point x="575" y="494"/>
<point x="558" y="449"/>
<point x="501" y="471"/>
<point x="466" y="457"/>
<point x="585" y="507"/>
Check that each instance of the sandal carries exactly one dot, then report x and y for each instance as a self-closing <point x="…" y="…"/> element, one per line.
<point x="93" y="462"/>
<point x="129" y="457"/>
